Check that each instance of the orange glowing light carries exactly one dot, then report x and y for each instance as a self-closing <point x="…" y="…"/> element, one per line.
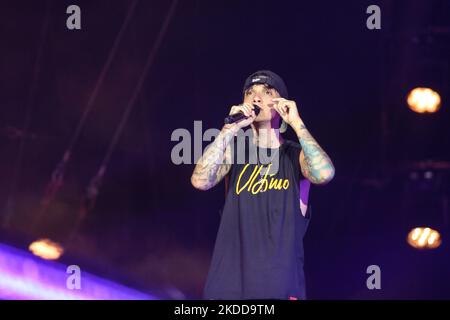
<point x="424" y="100"/>
<point x="46" y="249"/>
<point x="424" y="238"/>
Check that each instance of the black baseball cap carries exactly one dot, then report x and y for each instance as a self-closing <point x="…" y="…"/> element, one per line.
<point x="267" y="77"/>
<point x="271" y="79"/>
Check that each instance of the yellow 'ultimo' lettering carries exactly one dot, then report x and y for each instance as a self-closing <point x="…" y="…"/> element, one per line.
<point x="261" y="185"/>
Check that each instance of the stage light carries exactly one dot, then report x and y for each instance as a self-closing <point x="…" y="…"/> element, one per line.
<point x="423" y="100"/>
<point x="424" y="238"/>
<point x="46" y="249"/>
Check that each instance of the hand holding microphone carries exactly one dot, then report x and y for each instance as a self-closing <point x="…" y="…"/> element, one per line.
<point x="242" y="115"/>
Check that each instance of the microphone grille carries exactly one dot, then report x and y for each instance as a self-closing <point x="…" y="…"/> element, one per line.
<point x="257" y="109"/>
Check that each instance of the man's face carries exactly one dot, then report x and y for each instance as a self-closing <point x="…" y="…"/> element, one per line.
<point x="262" y="95"/>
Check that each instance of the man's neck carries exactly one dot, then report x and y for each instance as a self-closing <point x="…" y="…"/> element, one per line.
<point x="265" y="136"/>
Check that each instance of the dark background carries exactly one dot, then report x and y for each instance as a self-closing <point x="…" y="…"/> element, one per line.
<point x="150" y="228"/>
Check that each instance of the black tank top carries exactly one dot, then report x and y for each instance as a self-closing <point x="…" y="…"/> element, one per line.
<point x="258" y="252"/>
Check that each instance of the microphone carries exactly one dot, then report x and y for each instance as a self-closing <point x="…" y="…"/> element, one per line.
<point x="239" y="116"/>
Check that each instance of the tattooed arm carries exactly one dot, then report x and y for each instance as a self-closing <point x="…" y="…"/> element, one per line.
<point x="315" y="164"/>
<point x="211" y="167"/>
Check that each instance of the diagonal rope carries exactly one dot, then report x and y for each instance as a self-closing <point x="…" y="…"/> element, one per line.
<point x="9" y="210"/>
<point x="57" y="177"/>
<point x="88" y="202"/>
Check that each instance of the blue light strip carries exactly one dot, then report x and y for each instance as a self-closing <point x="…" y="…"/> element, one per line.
<point x="24" y="276"/>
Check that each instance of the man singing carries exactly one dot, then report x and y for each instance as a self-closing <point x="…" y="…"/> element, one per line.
<point x="258" y="252"/>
